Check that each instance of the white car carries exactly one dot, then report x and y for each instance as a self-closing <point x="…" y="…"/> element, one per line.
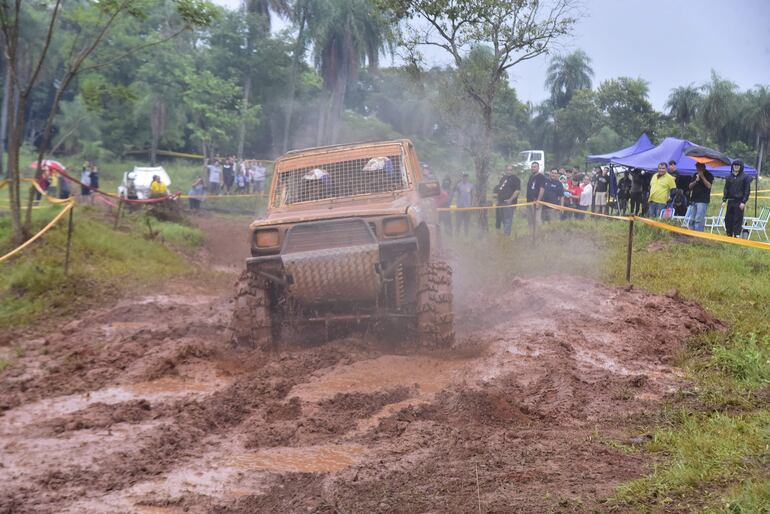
<point x="527" y="157"/>
<point x="137" y="182"/>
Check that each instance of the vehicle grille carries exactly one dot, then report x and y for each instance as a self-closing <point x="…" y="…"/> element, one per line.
<point x="327" y="234"/>
<point x="367" y="175"/>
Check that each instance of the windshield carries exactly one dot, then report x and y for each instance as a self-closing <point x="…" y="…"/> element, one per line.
<point x="524" y="156"/>
<point x="345" y="178"/>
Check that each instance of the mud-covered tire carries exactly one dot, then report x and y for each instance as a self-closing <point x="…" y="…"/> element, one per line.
<point x="251" y="322"/>
<point x="435" y="319"/>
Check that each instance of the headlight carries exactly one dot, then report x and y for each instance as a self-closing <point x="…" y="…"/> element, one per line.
<point x="267" y="238"/>
<point x="395" y="226"/>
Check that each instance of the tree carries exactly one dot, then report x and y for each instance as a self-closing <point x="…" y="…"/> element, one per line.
<point x="567" y="74"/>
<point x="513" y="30"/>
<point x="757" y="119"/>
<point x="263" y="8"/>
<point x="346" y="34"/>
<point x="27" y="54"/>
<point x="719" y="108"/>
<point x="624" y="101"/>
<point x="215" y="105"/>
<point x="683" y="103"/>
<point x="576" y="123"/>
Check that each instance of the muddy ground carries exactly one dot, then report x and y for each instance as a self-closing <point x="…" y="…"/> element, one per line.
<point x="142" y="406"/>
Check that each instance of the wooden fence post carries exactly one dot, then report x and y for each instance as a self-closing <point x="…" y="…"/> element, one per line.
<point x="69" y="242"/>
<point x="117" y="215"/>
<point x="629" y="249"/>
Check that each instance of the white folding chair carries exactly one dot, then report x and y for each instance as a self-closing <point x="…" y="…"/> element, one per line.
<point x="758" y="224"/>
<point x="717" y="222"/>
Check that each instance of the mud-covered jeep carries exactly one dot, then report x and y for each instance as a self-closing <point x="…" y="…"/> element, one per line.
<point x="350" y="235"/>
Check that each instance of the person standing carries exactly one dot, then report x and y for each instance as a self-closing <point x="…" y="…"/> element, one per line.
<point x="601" y="190"/>
<point x="535" y="192"/>
<point x="586" y="196"/>
<point x="508" y="194"/>
<point x="215" y="178"/>
<point x="85" y="183"/>
<point x="553" y="194"/>
<point x="464" y="192"/>
<point x="636" y="192"/>
<point x="700" y="196"/>
<point x="660" y="190"/>
<point x="444" y="201"/>
<point x="196" y="195"/>
<point x="682" y="182"/>
<point x="228" y="174"/>
<point x="736" y="195"/>
<point x="259" y="176"/>
<point x="624" y="193"/>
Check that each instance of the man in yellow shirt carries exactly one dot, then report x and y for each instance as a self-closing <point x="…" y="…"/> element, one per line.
<point x="660" y="189"/>
<point x="157" y="188"/>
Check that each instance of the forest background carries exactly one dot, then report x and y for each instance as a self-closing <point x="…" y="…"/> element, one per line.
<point x="233" y="86"/>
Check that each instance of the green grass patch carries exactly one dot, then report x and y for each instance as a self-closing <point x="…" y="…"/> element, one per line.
<point x="4" y="363"/>
<point x="704" y="451"/>
<point x="33" y="285"/>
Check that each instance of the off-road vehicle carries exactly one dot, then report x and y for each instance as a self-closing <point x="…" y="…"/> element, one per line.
<point x="350" y="235"/>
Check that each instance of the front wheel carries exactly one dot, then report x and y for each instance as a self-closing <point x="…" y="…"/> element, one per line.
<point x="435" y="319"/>
<point x="251" y="322"/>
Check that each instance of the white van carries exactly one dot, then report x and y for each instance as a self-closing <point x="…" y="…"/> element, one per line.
<point x="527" y="157"/>
<point x="138" y="181"/>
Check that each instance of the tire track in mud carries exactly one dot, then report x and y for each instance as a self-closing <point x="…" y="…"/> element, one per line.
<point x="132" y="414"/>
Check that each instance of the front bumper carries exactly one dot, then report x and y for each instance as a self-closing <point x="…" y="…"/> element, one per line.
<point x="349" y="273"/>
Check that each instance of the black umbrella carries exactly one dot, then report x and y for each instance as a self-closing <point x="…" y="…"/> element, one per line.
<point x="707" y="156"/>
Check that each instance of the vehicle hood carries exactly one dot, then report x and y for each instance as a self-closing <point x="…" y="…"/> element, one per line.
<point x="337" y="209"/>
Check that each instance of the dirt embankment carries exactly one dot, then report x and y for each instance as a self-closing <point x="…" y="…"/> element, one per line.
<point x="142" y="407"/>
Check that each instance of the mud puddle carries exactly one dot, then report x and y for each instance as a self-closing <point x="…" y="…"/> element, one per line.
<point x="427" y="375"/>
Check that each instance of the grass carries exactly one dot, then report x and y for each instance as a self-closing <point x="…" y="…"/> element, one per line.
<point x="33" y="286"/>
<point x="713" y="440"/>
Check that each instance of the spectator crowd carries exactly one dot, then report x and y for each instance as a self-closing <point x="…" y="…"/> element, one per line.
<point x="663" y="194"/>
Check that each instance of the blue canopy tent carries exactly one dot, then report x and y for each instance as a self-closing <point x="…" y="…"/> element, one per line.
<point x="672" y="149"/>
<point x="642" y="144"/>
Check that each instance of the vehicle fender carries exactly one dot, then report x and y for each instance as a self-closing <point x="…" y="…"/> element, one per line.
<point x="424" y="218"/>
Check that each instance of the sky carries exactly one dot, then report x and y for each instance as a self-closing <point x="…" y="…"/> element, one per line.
<point x="669" y="43"/>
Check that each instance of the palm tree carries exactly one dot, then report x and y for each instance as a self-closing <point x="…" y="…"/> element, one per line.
<point x="757" y="119"/>
<point x="718" y="109"/>
<point x="346" y="34"/>
<point x="566" y="74"/>
<point x="683" y="103"/>
<point x="265" y="7"/>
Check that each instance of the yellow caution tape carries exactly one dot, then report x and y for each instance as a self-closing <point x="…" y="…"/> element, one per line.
<point x="220" y="197"/>
<point x="51" y="224"/>
<point x="704" y="235"/>
<point x="489" y="207"/>
<point x="578" y="211"/>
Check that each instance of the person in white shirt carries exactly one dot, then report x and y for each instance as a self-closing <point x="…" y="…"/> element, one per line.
<point x="585" y="196"/>
<point x="259" y="173"/>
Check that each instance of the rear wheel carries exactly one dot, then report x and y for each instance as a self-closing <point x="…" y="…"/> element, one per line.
<point x="435" y="320"/>
<point x="251" y="323"/>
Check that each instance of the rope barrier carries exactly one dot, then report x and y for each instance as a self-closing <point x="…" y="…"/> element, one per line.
<point x="646" y="221"/>
<point x="51" y="224"/>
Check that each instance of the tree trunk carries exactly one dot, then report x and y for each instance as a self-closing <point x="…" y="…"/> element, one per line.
<point x="337" y="104"/>
<point x="760" y="157"/>
<point x="19" y="232"/>
<point x="242" y="128"/>
<point x="4" y="118"/>
<point x="296" y="58"/>
<point x="481" y="161"/>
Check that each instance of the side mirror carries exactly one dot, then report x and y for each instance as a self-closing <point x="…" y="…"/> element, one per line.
<point x="429" y="188"/>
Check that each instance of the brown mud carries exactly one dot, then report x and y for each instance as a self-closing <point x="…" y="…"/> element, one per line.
<point x="142" y="406"/>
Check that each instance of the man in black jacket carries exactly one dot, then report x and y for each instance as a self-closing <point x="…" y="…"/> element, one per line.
<point x="736" y="195"/>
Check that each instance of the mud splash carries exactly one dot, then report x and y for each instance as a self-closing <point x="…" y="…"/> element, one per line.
<point x="309" y="459"/>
